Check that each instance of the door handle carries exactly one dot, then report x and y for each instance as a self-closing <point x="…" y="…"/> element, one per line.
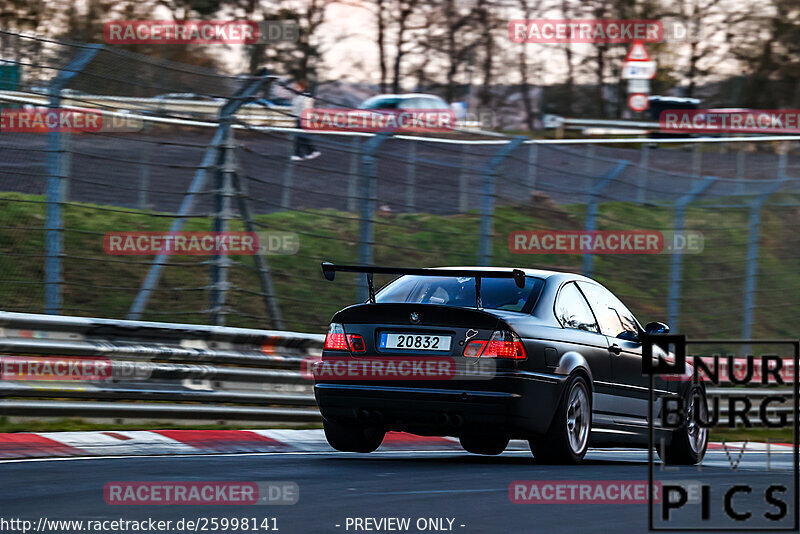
<point x="614" y="349"/>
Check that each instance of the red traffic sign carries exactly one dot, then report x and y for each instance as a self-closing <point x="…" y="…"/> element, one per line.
<point x="638" y="101"/>
<point x="637" y="52"/>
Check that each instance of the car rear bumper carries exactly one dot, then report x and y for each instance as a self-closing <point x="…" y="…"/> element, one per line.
<point x="519" y="403"/>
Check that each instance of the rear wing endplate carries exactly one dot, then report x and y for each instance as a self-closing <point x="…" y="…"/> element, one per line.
<point x="329" y="271"/>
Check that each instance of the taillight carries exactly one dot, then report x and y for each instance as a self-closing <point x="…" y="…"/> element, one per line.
<point x="356" y="343"/>
<point x="336" y="339"/>
<point x="474" y="348"/>
<point x="503" y="344"/>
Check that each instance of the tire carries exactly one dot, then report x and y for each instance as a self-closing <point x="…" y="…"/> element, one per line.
<point x="689" y="442"/>
<point x="567" y="439"/>
<point x="488" y="445"/>
<point x="353" y="438"/>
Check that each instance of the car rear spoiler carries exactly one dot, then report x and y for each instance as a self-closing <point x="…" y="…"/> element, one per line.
<point x="329" y="271"/>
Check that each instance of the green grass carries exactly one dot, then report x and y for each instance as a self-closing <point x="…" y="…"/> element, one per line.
<point x="98" y="284"/>
<point x="760" y="435"/>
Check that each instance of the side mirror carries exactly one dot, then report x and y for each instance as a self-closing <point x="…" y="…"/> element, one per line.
<point x="656" y="328"/>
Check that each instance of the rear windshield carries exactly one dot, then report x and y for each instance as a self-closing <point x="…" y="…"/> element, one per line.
<point x="496" y="293"/>
<point x="381" y="103"/>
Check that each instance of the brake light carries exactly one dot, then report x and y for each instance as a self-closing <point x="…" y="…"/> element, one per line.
<point x="336" y="339"/>
<point x="356" y="343"/>
<point x="503" y="344"/>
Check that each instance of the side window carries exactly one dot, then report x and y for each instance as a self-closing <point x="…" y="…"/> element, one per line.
<point x="615" y="319"/>
<point x="572" y="310"/>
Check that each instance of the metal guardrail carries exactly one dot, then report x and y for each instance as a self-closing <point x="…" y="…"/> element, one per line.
<point x="144" y="369"/>
<point x="189" y="108"/>
<point x="176" y="371"/>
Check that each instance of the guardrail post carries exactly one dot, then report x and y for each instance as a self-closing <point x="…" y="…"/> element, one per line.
<point x="352" y="178"/>
<point x="369" y="197"/>
<point x="250" y="88"/>
<point x="55" y="188"/>
<point x="593" y="206"/>
<point x="411" y="178"/>
<point x="487" y="198"/>
<point x="676" y="262"/>
<point x="644" y="171"/>
<point x="751" y="274"/>
<point x="222" y="215"/>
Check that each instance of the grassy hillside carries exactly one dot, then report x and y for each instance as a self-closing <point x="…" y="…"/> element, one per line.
<point x="97" y="284"/>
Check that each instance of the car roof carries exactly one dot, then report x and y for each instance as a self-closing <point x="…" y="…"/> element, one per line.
<point x="538" y="273"/>
<point x="407" y="95"/>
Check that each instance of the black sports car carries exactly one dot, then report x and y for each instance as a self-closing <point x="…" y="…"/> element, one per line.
<point x="565" y="373"/>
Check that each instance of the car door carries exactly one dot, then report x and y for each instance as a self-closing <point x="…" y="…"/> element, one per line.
<point x="620" y="327"/>
<point x="582" y="335"/>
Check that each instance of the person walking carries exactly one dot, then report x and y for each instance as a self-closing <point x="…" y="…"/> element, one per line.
<point x="303" y="146"/>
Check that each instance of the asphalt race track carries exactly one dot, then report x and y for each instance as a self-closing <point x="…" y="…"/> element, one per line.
<point x="107" y="169"/>
<point x="471" y="490"/>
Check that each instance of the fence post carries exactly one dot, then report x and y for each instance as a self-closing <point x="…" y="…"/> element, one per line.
<point x="288" y="176"/>
<point x="592" y="208"/>
<point x="65" y="164"/>
<point x="411" y="178"/>
<point x="676" y="262"/>
<point x="463" y="181"/>
<point x="697" y="160"/>
<point x="251" y="87"/>
<point x="352" y="177"/>
<point x="588" y="162"/>
<point x="144" y="171"/>
<point x="222" y="214"/>
<point x="487" y="199"/>
<point x="644" y="171"/>
<point x="751" y="274"/>
<point x="56" y="185"/>
<point x="740" y="155"/>
<point x="369" y="192"/>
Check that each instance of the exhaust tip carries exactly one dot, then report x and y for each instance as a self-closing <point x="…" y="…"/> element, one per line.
<point x="443" y="419"/>
<point x="362" y="415"/>
<point x="457" y="420"/>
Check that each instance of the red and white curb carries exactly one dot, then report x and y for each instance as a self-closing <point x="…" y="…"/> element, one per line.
<point x="149" y="442"/>
<point x="159" y="442"/>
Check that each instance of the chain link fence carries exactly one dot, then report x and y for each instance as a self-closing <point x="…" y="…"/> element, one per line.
<point x="383" y="199"/>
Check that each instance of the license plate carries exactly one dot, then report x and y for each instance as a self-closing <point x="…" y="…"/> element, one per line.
<point x="415" y="342"/>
